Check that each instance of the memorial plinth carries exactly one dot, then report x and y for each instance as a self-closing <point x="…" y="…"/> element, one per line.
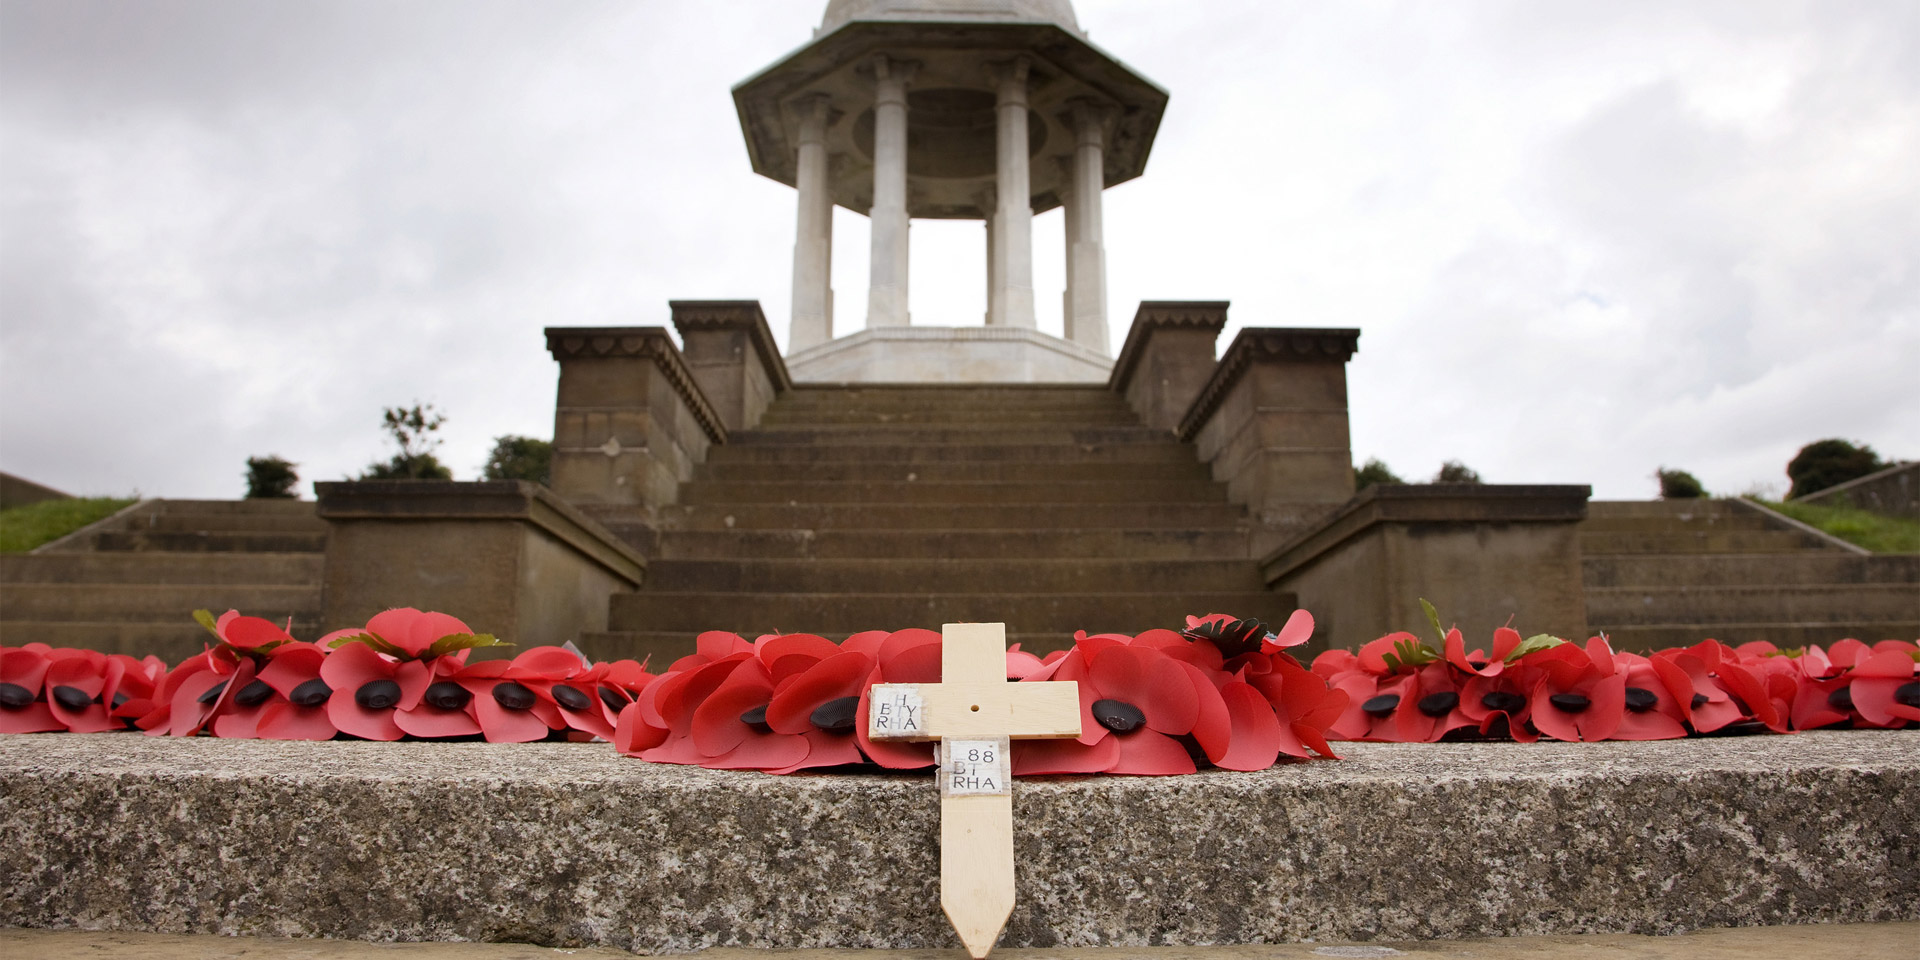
<point x="570" y="844"/>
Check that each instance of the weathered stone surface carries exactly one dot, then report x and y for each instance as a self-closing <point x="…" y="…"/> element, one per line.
<point x="1855" y="941"/>
<point x="573" y="845"/>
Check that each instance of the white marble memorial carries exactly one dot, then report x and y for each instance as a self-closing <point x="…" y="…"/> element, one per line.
<point x="990" y="110"/>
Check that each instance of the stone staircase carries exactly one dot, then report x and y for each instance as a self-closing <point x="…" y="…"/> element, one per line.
<point x="1051" y="508"/>
<point x="1666" y="573"/>
<point x="131" y="584"/>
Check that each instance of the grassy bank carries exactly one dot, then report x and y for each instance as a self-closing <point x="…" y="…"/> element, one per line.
<point x="1876" y="532"/>
<point x="23" y="528"/>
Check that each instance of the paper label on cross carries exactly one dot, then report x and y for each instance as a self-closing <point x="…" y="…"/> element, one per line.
<point x="975" y="714"/>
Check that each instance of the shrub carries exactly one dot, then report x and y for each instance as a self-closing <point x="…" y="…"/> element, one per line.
<point x="412" y="430"/>
<point x="1453" y="471"/>
<point x="271" y="478"/>
<point x="1372" y="472"/>
<point x="1825" y="463"/>
<point x="519" y="458"/>
<point x="1679" y="485"/>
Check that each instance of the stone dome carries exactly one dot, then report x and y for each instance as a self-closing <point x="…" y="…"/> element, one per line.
<point x="1058" y="12"/>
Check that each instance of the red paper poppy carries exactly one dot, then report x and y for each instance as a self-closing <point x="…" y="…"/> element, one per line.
<point x="300" y="710"/>
<point x="1138" y="697"/>
<point x="1649" y="709"/>
<point x="368" y="688"/>
<point x="822" y="704"/>
<point x="414" y="631"/>
<point x="1479" y="662"/>
<point x="1502" y="704"/>
<point x="730" y="728"/>
<point x="23" y="703"/>
<point x="1304" y="705"/>
<point x="902" y="656"/>
<point x="1580" y="695"/>
<point x="1372" y="700"/>
<point x="445" y="707"/>
<point x="1886" y="687"/>
<point x="512" y="701"/>
<point x="1431" y="704"/>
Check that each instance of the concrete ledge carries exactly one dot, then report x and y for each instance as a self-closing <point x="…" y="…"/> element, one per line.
<point x="1482" y="553"/>
<point x="509" y="557"/>
<point x="569" y="844"/>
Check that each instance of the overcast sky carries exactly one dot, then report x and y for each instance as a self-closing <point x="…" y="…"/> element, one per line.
<point x="1580" y="241"/>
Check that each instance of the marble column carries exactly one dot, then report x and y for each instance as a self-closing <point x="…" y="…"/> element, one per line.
<point x="992" y="270"/>
<point x="887" y="284"/>
<point x="1012" y="303"/>
<point x="1086" y="302"/>
<point x="812" y="321"/>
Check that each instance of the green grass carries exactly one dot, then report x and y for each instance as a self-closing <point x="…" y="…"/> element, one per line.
<point x="23" y="528"/>
<point x="1874" y="531"/>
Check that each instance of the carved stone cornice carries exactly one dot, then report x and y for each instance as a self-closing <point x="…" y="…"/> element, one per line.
<point x="735" y="315"/>
<point x="1162" y="315"/>
<point x="1283" y="344"/>
<point x="597" y="343"/>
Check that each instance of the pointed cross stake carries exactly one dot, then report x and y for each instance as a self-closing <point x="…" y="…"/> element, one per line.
<point x="974" y="712"/>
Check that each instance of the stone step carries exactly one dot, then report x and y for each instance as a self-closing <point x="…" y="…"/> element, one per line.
<point x="881" y="471"/>
<point x="973" y="395"/>
<point x="1712" y="523"/>
<point x="1676" y="509"/>
<point x="750" y="614"/>
<point x="1782" y="603"/>
<point x="984" y="433"/>
<point x="289" y="508"/>
<point x="122" y="602"/>
<point x="660" y="648"/>
<point x="250" y="542"/>
<point x="1646" y="637"/>
<point x="1167" y="451"/>
<point x="572" y="844"/>
<point x="947" y="516"/>
<point x="1087" y="491"/>
<point x="958" y="544"/>
<point x="945" y="576"/>
<point x="1734" y="570"/>
<point x="171" y="640"/>
<point x="1600" y="544"/>
<point x="109" y="568"/>
<point x="1115" y="415"/>
<point x="172" y="522"/>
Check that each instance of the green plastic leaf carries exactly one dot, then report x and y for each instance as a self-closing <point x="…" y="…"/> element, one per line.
<point x="374" y="640"/>
<point x="1534" y="644"/>
<point x="1410" y="653"/>
<point x="464" y="641"/>
<point x="206" y="619"/>
<point x="1433" y="617"/>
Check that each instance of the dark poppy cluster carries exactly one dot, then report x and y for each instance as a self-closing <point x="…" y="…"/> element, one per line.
<point x="1222" y="693"/>
<point x="1400" y="689"/>
<point x="405" y="674"/>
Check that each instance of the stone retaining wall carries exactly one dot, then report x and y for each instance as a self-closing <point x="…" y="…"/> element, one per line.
<point x="566" y="844"/>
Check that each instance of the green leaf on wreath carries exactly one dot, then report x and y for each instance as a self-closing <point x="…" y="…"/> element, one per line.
<point x="1534" y="644"/>
<point x="1433" y="617"/>
<point x="374" y="640"/>
<point x="206" y="619"/>
<point x="464" y="641"/>
<point x="1410" y="653"/>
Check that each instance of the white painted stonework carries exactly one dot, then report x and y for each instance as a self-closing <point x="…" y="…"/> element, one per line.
<point x="949" y="355"/>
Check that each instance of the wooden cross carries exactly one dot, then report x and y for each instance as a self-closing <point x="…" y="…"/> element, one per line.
<point x="974" y="712"/>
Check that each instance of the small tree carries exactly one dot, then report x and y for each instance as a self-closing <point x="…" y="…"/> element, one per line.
<point x="1825" y="463"/>
<point x="271" y="478"/>
<point x="412" y="429"/>
<point x="1453" y="471"/>
<point x="519" y="458"/>
<point x="1679" y="485"/>
<point x="1372" y="472"/>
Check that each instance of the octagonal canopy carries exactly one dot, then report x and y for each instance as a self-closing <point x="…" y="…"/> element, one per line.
<point x="955" y="45"/>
